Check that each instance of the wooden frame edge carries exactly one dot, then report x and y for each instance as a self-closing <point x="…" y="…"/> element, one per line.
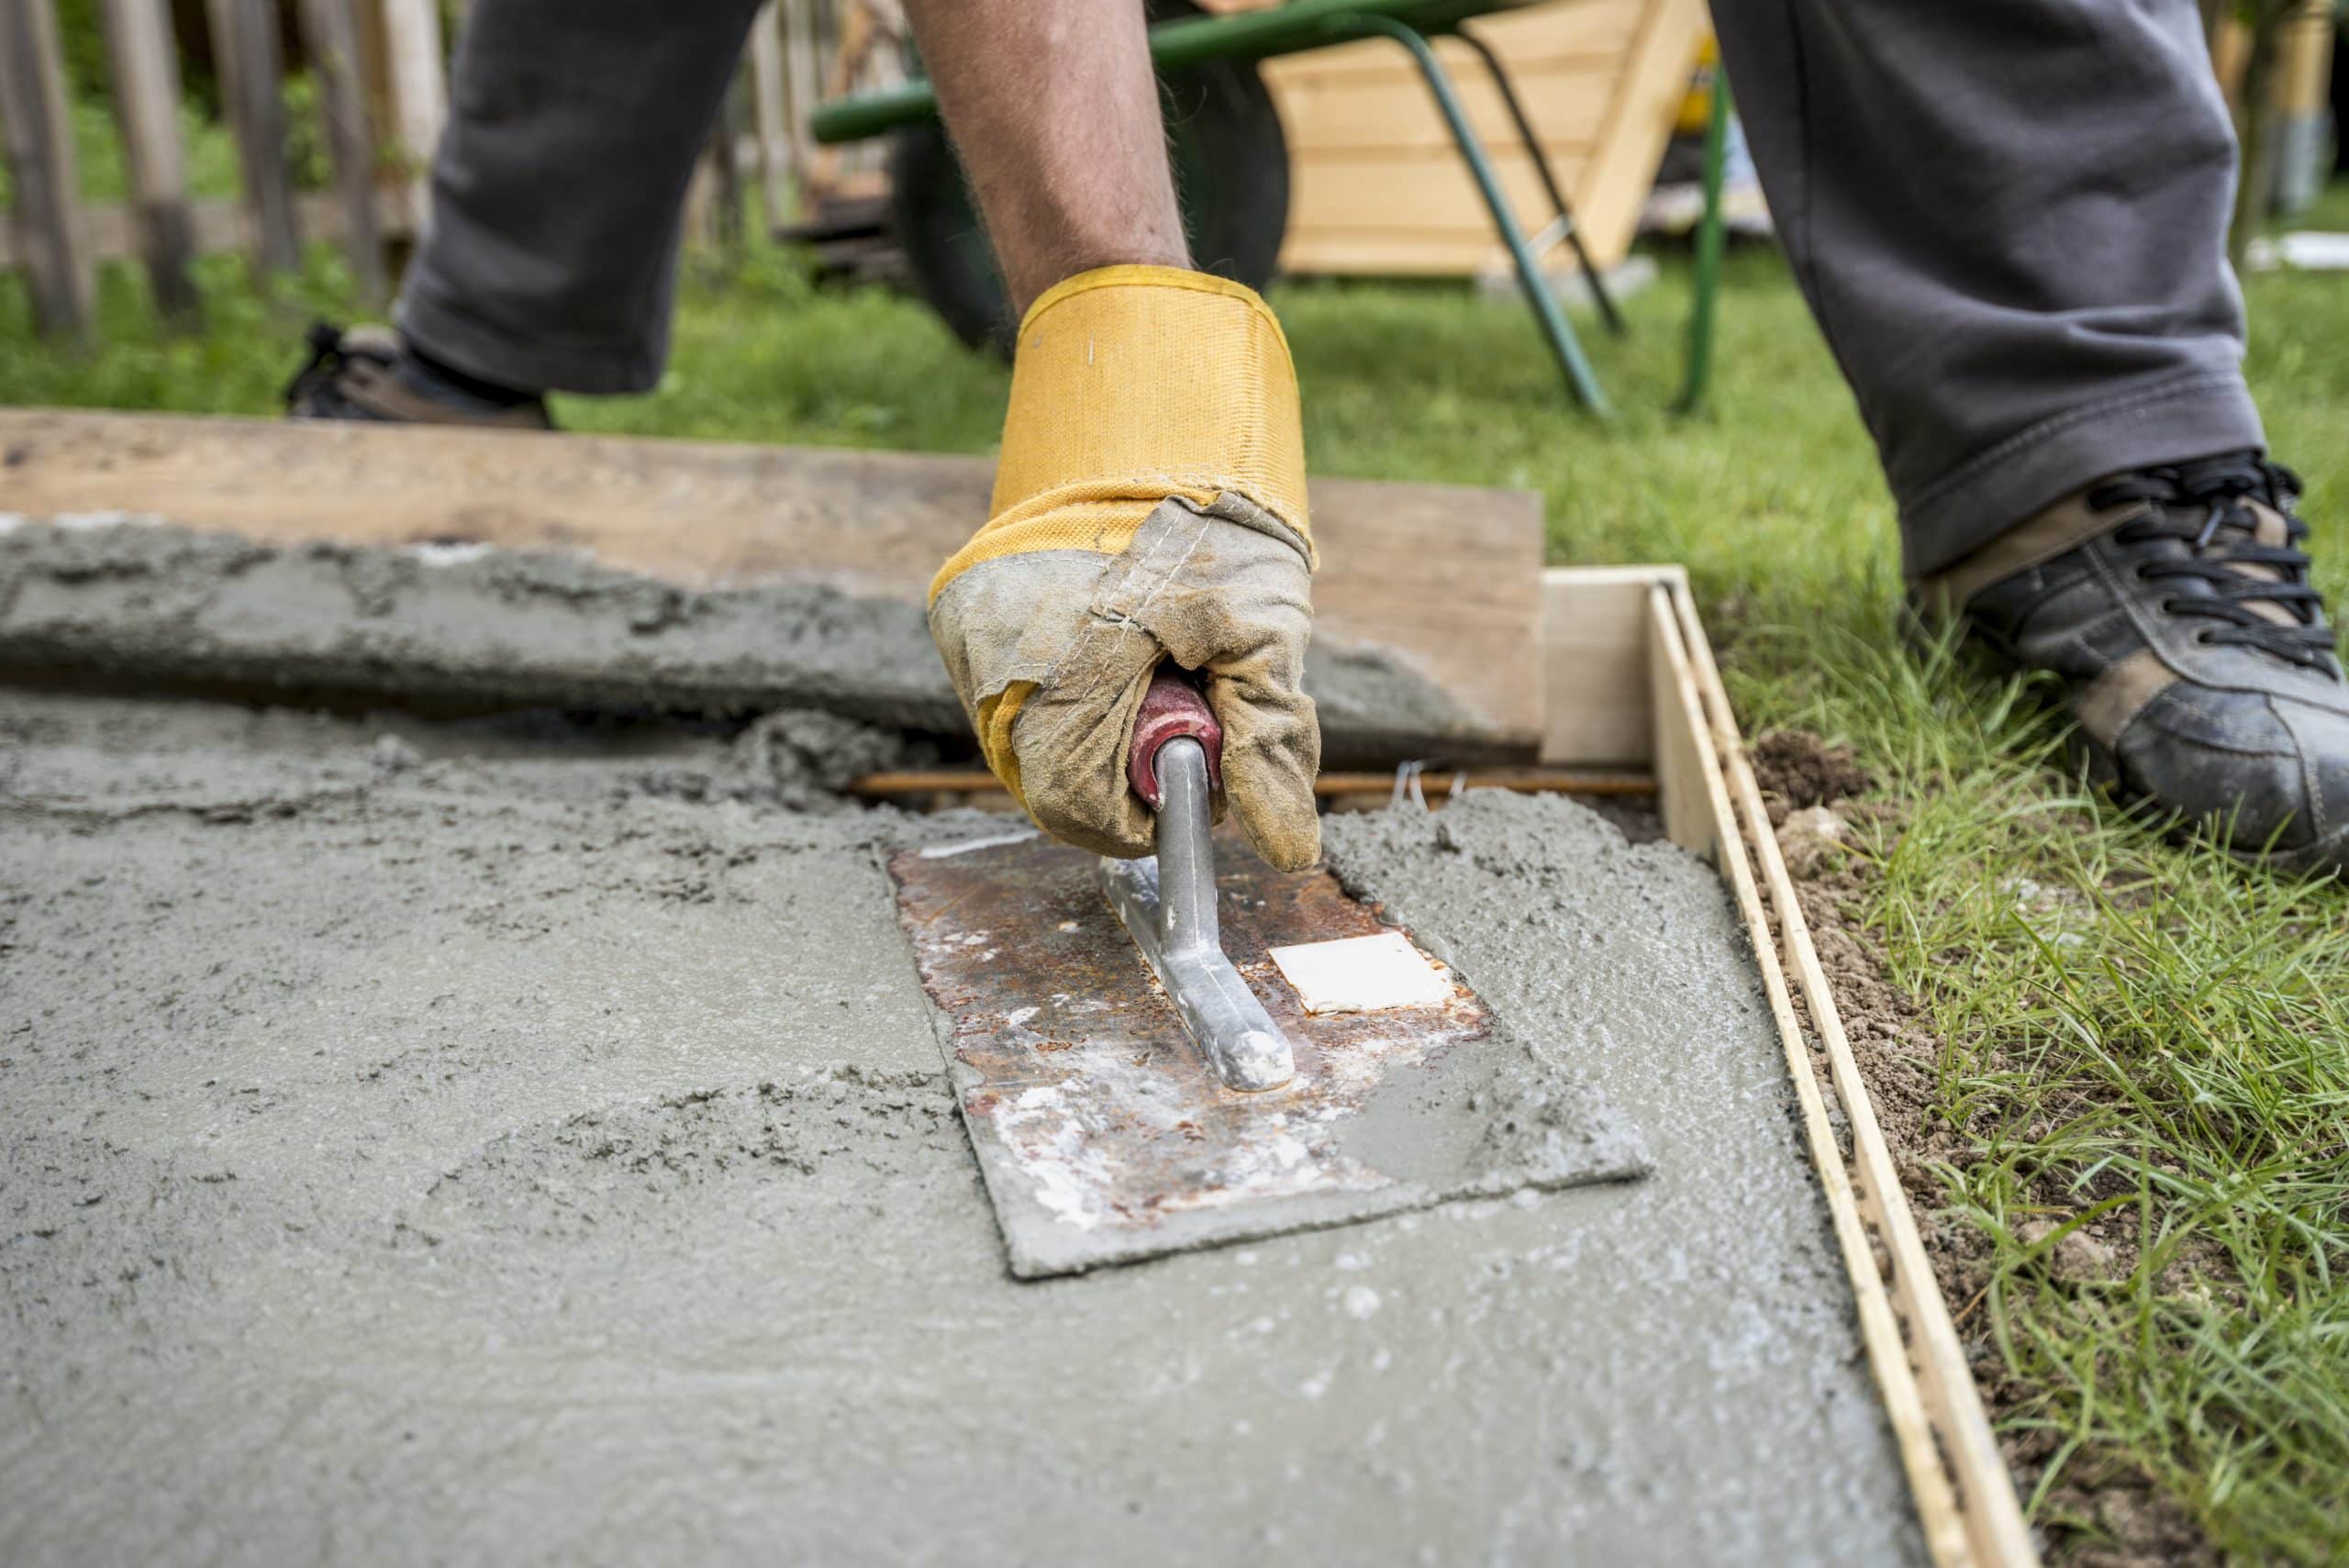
<point x="1964" y="1493"/>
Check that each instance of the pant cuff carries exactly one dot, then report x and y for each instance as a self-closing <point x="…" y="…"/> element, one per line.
<point x="2173" y="421"/>
<point x="529" y="364"/>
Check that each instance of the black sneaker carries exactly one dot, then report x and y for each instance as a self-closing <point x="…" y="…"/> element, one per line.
<point x="361" y="372"/>
<point x="2175" y="602"/>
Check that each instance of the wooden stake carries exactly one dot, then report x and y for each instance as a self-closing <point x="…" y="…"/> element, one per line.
<point x="146" y="99"/>
<point x="332" y="30"/>
<point x="39" y="135"/>
<point x="245" y="53"/>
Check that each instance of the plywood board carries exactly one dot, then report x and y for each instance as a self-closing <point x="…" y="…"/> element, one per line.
<point x="1463" y="620"/>
<point x="1379" y="187"/>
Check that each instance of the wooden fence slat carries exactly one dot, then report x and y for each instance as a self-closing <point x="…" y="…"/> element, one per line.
<point x="39" y="135"/>
<point x="109" y="231"/>
<point x="725" y="154"/>
<point x="418" y="80"/>
<point x="803" y="56"/>
<point x="332" y="30"/>
<point x="251" y="65"/>
<point x="145" y="60"/>
<point x="770" y="110"/>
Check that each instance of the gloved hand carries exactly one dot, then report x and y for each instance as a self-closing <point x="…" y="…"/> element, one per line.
<point x="1149" y="504"/>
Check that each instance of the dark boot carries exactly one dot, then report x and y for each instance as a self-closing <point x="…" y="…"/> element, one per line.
<point x="364" y="373"/>
<point x="2175" y="603"/>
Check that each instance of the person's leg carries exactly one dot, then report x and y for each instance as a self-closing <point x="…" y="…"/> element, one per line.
<point x="2010" y="218"/>
<point x="550" y="256"/>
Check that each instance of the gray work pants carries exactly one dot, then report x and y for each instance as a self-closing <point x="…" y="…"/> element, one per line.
<point x="2009" y="216"/>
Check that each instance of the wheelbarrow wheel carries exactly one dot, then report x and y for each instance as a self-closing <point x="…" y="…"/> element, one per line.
<point x="1231" y="161"/>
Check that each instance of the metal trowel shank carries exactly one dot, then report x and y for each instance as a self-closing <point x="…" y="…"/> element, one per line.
<point x="1167" y="901"/>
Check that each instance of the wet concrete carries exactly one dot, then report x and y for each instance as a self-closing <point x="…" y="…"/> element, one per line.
<point x="466" y="626"/>
<point x="505" y="1144"/>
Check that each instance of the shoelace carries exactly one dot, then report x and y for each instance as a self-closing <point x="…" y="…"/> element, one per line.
<point x="2205" y="507"/>
<point x="325" y="341"/>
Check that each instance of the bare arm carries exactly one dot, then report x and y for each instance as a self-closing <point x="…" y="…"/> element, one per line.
<point x="1053" y="108"/>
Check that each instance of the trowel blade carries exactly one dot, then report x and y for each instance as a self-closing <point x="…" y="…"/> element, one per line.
<point x="1103" y="1134"/>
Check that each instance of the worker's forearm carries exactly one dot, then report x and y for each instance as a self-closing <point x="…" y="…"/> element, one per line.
<point x="1053" y="108"/>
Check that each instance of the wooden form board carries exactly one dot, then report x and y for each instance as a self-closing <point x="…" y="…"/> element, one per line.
<point x="1377" y="186"/>
<point x="1712" y="806"/>
<point x="1465" y="617"/>
<point x="1597" y="707"/>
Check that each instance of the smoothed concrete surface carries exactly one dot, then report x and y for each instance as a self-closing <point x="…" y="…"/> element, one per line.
<point x="493" y="1145"/>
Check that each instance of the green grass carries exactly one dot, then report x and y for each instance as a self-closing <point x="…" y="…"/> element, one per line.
<point x="2136" y="1038"/>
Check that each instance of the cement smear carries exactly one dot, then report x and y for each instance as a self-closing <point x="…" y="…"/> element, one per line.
<point x="431" y="1145"/>
<point x="145" y="602"/>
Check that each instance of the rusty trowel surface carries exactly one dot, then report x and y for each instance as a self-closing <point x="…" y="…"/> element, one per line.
<point x="1104" y="1136"/>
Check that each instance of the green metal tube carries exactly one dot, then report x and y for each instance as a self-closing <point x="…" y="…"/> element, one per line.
<point x="1712" y="231"/>
<point x="1245" y="35"/>
<point x="1562" y="342"/>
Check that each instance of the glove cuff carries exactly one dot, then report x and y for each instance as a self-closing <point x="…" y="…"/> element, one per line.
<point x="1133" y="385"/>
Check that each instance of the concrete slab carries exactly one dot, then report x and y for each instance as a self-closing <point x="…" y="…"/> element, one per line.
<point x="505" y="1145"/>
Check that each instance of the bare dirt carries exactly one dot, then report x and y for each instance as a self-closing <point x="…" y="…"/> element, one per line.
<point x="2125" y="1521"/>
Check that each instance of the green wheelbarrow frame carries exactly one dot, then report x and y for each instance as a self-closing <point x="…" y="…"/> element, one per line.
<point x="1304" y="25"/>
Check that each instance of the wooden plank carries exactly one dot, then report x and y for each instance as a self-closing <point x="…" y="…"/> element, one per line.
<point x="1695" y="807"/>
<point x="1334" y="118"/>
<point x="771" y="111"/>
<point x="1375" y="179"/>
<point x="1639" y="121"/>
<point x="1596" y="705"/>
<point x="112" y="232"/>
<point x="1392" y="253"/>
<point x="245" y="53"/>
<point x="1534" y="34"/>
<point x="1465" y="621"/>
<point x="330" y="29"/>
<point x="1336" y="232"/>
<point x="1422" y="189"/>
<point x="37" y="130"/>
<point x="1982" y="1509"/>
<point x="416" y="62"/>
<point x="146" y="68"/>
<point x="1706" y="735"/>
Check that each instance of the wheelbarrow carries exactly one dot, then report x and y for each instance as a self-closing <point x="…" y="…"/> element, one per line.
<point x="1232" y="164"/>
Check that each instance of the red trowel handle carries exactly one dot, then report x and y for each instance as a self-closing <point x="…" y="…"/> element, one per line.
<point x="1171" y="709"/>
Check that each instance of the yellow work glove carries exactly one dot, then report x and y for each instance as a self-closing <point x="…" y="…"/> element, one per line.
<point x="1150" y="505"/>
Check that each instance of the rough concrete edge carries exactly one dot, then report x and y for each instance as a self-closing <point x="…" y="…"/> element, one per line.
<point x="142" y="601"/>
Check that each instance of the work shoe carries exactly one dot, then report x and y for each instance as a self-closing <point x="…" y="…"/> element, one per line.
<point x="364" y="373"/>
<point x="2175" y="603"/>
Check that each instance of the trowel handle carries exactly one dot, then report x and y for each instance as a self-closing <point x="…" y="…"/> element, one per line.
<point x="1172" y="709"/>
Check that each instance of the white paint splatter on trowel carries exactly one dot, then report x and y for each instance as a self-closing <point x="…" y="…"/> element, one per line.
<point x="1363" y="974"/>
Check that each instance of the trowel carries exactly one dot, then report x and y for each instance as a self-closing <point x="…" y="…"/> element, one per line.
<point x="1204" y="1057"/>
<point x="1167" y="900"/>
